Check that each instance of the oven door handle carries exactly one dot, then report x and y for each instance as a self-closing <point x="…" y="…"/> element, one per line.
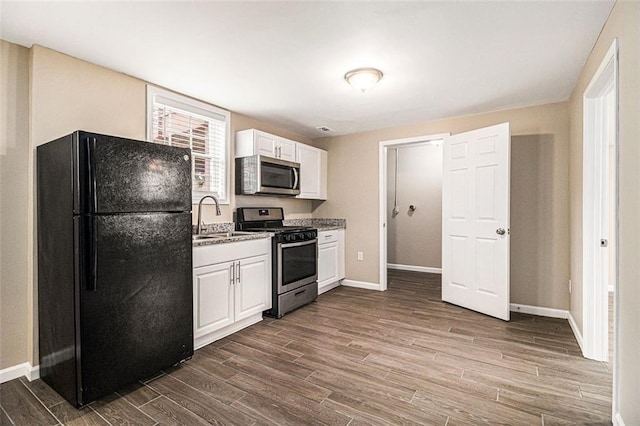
<point x="298" y="244"/>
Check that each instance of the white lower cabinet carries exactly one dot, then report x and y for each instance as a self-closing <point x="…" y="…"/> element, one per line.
<point x="330" y="259"/>
<point x="231" y="287"/>
<point x="213" y="298"/>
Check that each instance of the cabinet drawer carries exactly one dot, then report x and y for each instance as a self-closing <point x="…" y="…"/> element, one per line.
<point x="327" y="236"/>
<point x="216" y="253"/>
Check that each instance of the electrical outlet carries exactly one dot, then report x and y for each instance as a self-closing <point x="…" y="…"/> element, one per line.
<point x="569" y="286"/>
<point x="360" y="255"/>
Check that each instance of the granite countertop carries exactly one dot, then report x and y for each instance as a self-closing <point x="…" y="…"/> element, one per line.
<point x="321" y="228"/>
<point x="232" y="239"/>
<point x="319" y="224"/>
<point x="218" y="227"/>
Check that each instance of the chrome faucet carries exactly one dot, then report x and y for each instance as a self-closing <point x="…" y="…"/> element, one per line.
<point x="218" y="213"/>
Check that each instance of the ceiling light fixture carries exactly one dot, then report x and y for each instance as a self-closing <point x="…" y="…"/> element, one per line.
<point x="363" y="79"/>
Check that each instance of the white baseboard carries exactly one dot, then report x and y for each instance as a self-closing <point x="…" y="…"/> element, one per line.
<point x="617" y="420"/>
<point x="553" y="313"/>
<point x="25" y="369"/>
<point x="576" y="331"/>
<point x="361" y="284"/>
<point x="540" y="311"/>
<point x="327" y="287"/>
<point x="414" y="268"/>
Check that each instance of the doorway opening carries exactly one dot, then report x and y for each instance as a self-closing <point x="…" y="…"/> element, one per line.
<point x="475" y="217"/>
<point x="414" y="207"/>
<point x="600" y="216"/>
<point x="431" y="145"/>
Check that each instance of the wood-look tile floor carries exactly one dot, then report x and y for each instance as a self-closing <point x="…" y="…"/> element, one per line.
<point x="359" y="357"/>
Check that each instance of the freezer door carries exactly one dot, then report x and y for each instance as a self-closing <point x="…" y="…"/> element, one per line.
<point x="136" y="303"/>
<point x="117" y="175"/>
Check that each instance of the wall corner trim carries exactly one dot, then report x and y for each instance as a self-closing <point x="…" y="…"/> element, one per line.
<point x="617" y="420"/>
<point x="576" y="331"/>
<point x="361" y="284"/>
<point x="25" y="369"/>
<point x="413" y="268"/>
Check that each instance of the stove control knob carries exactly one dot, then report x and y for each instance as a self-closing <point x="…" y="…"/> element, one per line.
<point x="289" y="237"/>
<point x="310" y="235"/>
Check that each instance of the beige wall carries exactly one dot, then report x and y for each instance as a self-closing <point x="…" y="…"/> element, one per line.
<point x="292" y="208"/>
<point x="68" y="94"/>
<point x="623" y="23"/>
<point x="415" y="238"/>
<point x="539" y="145"/>
<point x="14" y="160"/>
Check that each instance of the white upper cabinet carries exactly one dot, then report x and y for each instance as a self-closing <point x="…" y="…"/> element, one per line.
<point x="313" y="161"/>
<point x="256" y="142"/>
<point x="286" y="149"/>
<point x="313" y="172"/>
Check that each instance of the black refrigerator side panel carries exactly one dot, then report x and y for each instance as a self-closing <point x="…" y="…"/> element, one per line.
<point x="125" y="176"/>
<point x="56" y="289"/>
<point x="137" y="316"/>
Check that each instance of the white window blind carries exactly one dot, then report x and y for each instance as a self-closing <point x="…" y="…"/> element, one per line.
<point x="183" y="122"/>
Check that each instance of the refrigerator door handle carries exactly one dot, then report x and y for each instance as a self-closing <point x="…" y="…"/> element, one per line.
<point x="93" y="196"/>
<point x="92" y="284"/>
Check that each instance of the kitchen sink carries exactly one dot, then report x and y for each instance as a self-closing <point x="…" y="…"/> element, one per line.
<point x="230" y="234"/>
<point x="203" y="237"/>
<point x="217" y="235"/>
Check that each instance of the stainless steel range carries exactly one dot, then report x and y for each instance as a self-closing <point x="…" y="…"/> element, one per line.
<point x="294" y="257"/>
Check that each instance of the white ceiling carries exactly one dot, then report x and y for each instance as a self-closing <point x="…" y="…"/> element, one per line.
<point x="283" y="62"/>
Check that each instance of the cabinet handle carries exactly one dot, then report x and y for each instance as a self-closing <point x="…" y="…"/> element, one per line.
<point x="238" y="273"/>
<point x="232" y="273"/>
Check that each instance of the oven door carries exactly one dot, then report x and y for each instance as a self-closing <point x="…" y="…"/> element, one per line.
<point x="297" y="264"/>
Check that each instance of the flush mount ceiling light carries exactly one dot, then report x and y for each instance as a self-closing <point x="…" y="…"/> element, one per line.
<point x="363" y="79"/>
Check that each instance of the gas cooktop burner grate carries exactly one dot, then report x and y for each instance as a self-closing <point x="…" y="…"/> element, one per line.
<point x="279" y="229"/>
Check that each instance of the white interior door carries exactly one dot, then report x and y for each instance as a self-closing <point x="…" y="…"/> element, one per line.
<point x="475" y="220"/>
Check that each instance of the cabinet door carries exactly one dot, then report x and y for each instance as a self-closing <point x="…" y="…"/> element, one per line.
<point x="213" y="297"/>
<point x="327" y="263"/>
<point x="253" y="285"/>
<point x="286" y="149"/>
<point x="265" y="144"/>
<point x="313" y="172"/>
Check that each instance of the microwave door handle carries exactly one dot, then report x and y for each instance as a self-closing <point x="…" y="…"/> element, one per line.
<point x="295" y="178"/>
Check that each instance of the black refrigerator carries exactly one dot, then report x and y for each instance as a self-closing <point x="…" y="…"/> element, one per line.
<point x="115" y="300"/>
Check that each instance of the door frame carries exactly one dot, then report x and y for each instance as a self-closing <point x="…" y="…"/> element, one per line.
<point x="383" y="154"/>
<point x="595" y="289"/>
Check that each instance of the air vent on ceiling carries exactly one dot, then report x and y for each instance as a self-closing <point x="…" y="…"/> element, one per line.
<point x="324" y="129"/>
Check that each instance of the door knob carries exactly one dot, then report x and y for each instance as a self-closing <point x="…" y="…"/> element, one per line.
<point x="500" y="231"/>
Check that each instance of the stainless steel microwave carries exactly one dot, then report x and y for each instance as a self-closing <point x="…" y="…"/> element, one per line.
<point x="261" y="175"/>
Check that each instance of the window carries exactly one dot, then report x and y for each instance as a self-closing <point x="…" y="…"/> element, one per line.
<point x="177" y="120"/>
